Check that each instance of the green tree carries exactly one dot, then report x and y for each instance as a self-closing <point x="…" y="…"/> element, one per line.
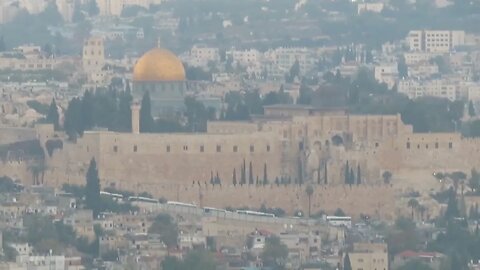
<point x="171" y="263"/>
<point x="339" y="213"/>
<point x="387" y="176"/>
<point x="265" y="177"/>
<point x="199" y="260"/>
<point x="351" y="177"/>
<point x="471" y="109"/>
<point x="457" y="177"/>
<point x="92" y="189"/>
<point x="305" y="94"/>
<point x="452" y="205"/>
<point x="274" y="253"/>
<point x="51" y="16"/>
<point x="234" y="177"/>
<point x="93" y="9"/>
<point x="3" y="46"/>
<point x="88" y="110"/>
<point x="53" y="116"/>
<point x="325" y="177"/>
<point x="293" y="73"/>
<point x="123" y="120"/>
<point x="347" y="173"/>
<point x="422" y="209"/>
<point x="78" y="15"/>
<point x="243" y="174"/>
<point x="309" y="191"/>
<point x="73" y="119"/>
<point x="250" y="174"/>
<point x="166" y="227"/>
<point x="359" y="175"/>
<point x="413" y="203"/>
<point x="402" y="67"/>
<point x="146" y="119"/>
<point x="474" y="181"/>
<point x="347" y="265"/>
<point x="402" y="236"/>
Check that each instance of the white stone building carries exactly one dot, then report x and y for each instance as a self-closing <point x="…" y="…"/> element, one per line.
<point x="370" y="7"/>
<point x="386" y="73"/>
<point x="435" y="88"/>
<point x="435" y="40"/>
<point x="201" y="55"/>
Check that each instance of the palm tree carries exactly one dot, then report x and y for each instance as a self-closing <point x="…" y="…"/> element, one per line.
<point x="422" y="209"/>
<point x="413" y="203"/>
<point x="309" y="191"/>
<point x="38" y="169"/>
<point x="457" y="177"/>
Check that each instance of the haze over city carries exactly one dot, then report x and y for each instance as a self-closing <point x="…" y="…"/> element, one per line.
<point x="239" y="135"/>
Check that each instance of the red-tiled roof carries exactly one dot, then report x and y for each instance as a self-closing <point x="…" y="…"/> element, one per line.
<point x="414" y="254"/>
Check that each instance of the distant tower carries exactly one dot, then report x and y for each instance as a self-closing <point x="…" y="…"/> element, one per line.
<point x="135" y="107"/>
<point x="159" y="42"/>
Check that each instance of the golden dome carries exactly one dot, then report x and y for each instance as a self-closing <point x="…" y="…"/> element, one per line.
<point x="158" y="65"/>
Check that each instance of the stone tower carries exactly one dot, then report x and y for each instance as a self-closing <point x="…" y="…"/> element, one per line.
<point x="135" y="107"/>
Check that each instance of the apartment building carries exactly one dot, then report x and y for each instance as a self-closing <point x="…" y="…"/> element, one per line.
<point x="412" y="58"/>
<point x="201" y="55"/>
<point x="369" y="256"/>
<point x="115" y="7"/>
<point x="93" y="60"/>
<point x="436" y="88"/>
<point x="422" y="70"/>
<point x="285" y="58"/>
<point x="435" y="40"/>
<point x="244" y="57"/>
<point x="370" y="7"/>
<point x="386" y="73"/>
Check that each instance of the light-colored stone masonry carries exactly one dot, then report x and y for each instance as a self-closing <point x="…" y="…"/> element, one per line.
<point x="296" y="147"/>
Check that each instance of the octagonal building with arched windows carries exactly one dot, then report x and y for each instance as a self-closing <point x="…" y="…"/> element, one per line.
<point x="162" y="74"/>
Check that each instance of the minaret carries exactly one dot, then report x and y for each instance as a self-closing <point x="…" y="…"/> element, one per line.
<point x="135" y="107"/>
<point x="159" y="42"/>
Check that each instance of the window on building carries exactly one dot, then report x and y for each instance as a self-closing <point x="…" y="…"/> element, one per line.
<point x="235" y="148"/>
<point x="168" y="148"/>
<point x="450" y="145"/>
<point x="268" y="148"/>
<point x="135" y="148"/>
<point x="219" y="148"/>
<point x="185" y="148"/>
<point x="252" y="148"/>
<point x="202" y="148"/>
<point x="376" y="144"/>
<point x="115" y="149"/>
<point x="436" y="145"/>
<point x="408" y="145"/>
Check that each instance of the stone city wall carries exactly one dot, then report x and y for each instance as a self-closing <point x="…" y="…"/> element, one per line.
<point x="374" y="200"/>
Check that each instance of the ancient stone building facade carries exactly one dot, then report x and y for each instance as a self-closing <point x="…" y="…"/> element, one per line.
<point x="298" y="147"/>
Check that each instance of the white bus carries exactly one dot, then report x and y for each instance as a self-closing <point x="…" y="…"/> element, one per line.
<point x="211" y="210"/>
<point x="114" y="196"/>
<point x="173" y="203"/>
<point x="339" y="221"/>
<point x="254" y="213"/>
<point x="142" y="199"/>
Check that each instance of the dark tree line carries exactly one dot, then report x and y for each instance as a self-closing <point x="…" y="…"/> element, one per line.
<point x="350" y="177"/>
<point x="196" y="116"/>
<point x="101" y="108"/>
